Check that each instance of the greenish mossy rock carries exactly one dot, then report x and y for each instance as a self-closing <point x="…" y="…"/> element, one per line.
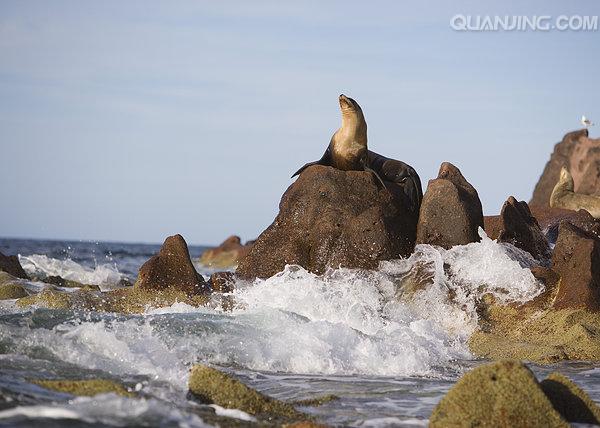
<point x="542" y="336"/>
<point x="134" y="300"/>
<point x="86" y="387"/>
<point x="500" y="394"/>
<point x="214" y="387"/>
<point x="10" y="287"/>
<point x="47" y="298"/>
<point x="68" y="283"/>
<point x="574" y="404"/>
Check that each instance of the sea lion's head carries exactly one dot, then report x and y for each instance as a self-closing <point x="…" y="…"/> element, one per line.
<point x="352" y="115"/>
<point x="566" y="178"/>
<point x="348" y="105"/>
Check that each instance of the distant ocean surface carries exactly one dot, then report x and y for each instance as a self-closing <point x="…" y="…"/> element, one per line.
<point x="294" y="336"/>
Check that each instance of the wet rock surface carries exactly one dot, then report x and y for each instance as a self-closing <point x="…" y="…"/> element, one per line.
<point x="451" y="211"/>
<point x="172" y="268"/>
<point x="333" y="218"/>
<point x="11" y="265"/>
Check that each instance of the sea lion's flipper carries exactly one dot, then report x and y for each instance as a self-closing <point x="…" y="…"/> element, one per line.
<point x="325" y="160"/>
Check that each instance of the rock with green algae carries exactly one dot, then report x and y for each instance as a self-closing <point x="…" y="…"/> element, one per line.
<point x="10" y="287"/>
<point x="85" y="387"/>
<point x="214" y="387"/>
<point x="504" y="393"/>
<point x="542" y="336"/>
<point x="47" y="298"/>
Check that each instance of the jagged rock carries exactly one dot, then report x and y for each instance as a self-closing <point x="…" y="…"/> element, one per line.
<point x="214" y="387"/>
<point x="333" y="218"/>
<point x="451" y="212"/>
<point x="506" y="393"/>
<point x="576" y="259"/>
<point x="171" y="268"/>
<point x="581" y="156"/>
<point x="226" y="255"/>
<point x="11" y="265"/>
<point x="222" y="282"/>
<point x="517" y="226"/>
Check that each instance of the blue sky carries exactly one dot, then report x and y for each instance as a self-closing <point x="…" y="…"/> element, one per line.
<point x="130" y="121"/>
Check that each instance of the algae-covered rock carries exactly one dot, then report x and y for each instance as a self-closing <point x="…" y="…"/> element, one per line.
<point x="86" y="387"/>
<point x="10" y="287"/>
<point x="504" y="393"/>
<point x="316" y="401"/>
<point x="135" y="300"/>
<point x="68" y="283"/>
<point x="214" y="387"/>
<point x="227" y="255"/>
<point x="574" y="404"/>
<point x="47" y="298"/>
<point x="540" y="336"/>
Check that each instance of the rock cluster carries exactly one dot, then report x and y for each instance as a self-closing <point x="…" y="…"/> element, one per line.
<point x="451" y="212"/>
<point x="506" y="393"/>
<point x="581" y="155"/>
<point x="333" y="218"/>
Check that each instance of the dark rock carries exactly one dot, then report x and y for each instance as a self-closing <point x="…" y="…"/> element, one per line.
<point x="226" y="255"/>
<point x="11" y="265"/>
<point x="451" y="212"/>
<point x="581" y="156"/>
<point x="222" y="282"/>
<point x="333" y="218"/>
<point x="520" y="228"/>
<point x="576" y="259"/>
<point x="550" y="218"/>
<point x="171" y="268"/>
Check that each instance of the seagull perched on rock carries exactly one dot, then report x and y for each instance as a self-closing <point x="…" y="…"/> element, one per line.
<point x="586" y="122"/>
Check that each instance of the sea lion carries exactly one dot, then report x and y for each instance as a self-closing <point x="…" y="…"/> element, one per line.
<point x="564" y="196"/>
<point x="348" y="151"/>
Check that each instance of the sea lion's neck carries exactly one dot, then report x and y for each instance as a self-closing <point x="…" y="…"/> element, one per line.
<point x="354" y="127"/>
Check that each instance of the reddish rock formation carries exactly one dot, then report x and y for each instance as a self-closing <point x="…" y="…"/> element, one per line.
<point x="516" y="225"/>
<point x="226" y="255"/>
<point x="581" y="156"/>
<point x="333" y="218"/>
<point x="451" y="212"/>
<point x="11" y="265"/>
<point x="576" y="259"/>
<point x="171" y="268"/>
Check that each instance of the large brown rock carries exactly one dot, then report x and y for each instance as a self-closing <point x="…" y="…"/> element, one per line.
<point x="332" y="218"/>
<point x="581" y="155"/>
<point x="520" y="228"/>
<point x="451" y="212"/>
<point x="11" y="265"/>
<point x="576" y="259"/>
<point x="226" y="255"/>
<point x="171" y="268"/>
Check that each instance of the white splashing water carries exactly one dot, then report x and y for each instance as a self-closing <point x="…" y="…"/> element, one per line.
<point x="343" y="322"/>
<point x="105" y="275"/>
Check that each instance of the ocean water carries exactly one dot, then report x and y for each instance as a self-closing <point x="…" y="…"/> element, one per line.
<point x="389" y="343"/>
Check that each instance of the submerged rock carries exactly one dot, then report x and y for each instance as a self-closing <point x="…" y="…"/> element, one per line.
<point x="59" y="281"/>
<point x="333" y="218"/>
<point x="451" y="212"/>
<point x="214" y="387"/>
<point x="226" y="255"/>
<point x="576" y="259"/>
<point x="11" y="265"/>
<point x="506" y="393"/>
<point x="10" y="287"/>
<point x="516" y="225"/>
<point x="84" y="387"/>
<point x="171" y="268"/>
<point x="581" y="156"/>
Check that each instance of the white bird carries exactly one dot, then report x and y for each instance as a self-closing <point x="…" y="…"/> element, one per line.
<point x="586" y="122"/>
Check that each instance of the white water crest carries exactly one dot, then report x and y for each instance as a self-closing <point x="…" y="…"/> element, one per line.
<point x="105" y="275"/>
